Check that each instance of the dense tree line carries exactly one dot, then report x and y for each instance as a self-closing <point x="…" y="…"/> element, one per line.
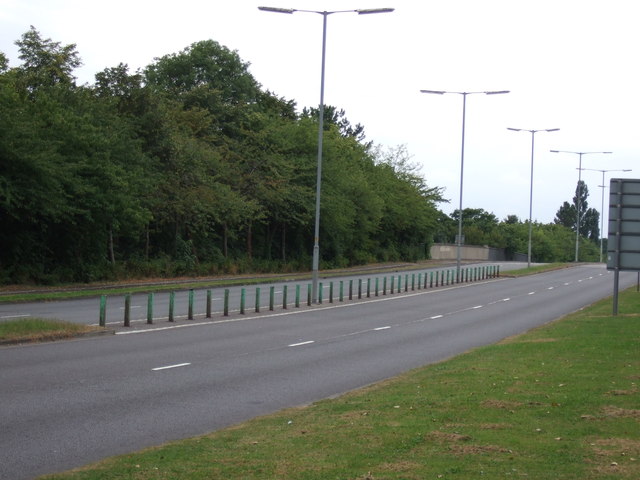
<point x="554" y="242"/>
<point x="189" y="167"/>
<point x="186" y="167"/>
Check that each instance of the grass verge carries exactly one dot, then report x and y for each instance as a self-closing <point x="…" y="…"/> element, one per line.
<point x="559" y="402"/>
<point x="147" y="286"/>
<point x="547" y="267"/>
<point x="40" y="330"/>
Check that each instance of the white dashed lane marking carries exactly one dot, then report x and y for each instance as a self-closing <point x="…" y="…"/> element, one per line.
<point x="301" y="343"/>
<point x="167" y="367"/>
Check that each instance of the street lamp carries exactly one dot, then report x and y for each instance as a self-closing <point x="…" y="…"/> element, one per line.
<point x="533" y="132"/>
<point x="316" y="234"/>
<point x="464" y="108"/>
<point x="579" y="192"/>
<point x="603" y="186"/>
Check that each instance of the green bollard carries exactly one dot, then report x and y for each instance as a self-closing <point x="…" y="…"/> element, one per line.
<point x="391" y="289"/>
<point x="297" y="296"/>
<point x="447" y="277"/>
<point x="384" y="285"/>
<point x="172" y="303"/>
<point x="242" y="300"/>
<point x="150" y="309"/>
<point x="377" y="286"/>
<point x="368" y="288"/>
<point x="190" y="311"/>
<point x="406" y="282"/>
<point x="103" y="311"/>
<point x="320" y="288"/>
<point x="284" y="297"/>
<point x="226" y="302"/>
<point x="309" y="295"/>
<point x="413" y="282"/>
<point x="127" y="310"/>
<point x="208" y="313"/>
<point x="341" y="293"/>
<point x="330" y="292"/>
<point x="257" y="309"/>
<point x="359" y="288"/>
<point x="272" y="297"/>
<point x="419" y="281"/>
<point x="498" y="272"/>
<point x="350" y="289"/>
<point x="399" y="284"/>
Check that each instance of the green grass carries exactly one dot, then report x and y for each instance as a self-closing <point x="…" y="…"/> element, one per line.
<point x="39" y="330"/>
<point x="547" y="267"/>
<point x="559" y="402"/>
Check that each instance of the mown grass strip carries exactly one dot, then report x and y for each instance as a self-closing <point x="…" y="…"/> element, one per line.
<point x="40" y="330"/>
<point x="547" y="267"/>
<point x="559" y="402"/>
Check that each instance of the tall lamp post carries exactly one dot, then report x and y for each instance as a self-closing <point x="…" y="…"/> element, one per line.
<point x="533" y="133"/>
<point x="603" y="186"/>
<point x="580" y="154"/>
<point x="464" y="109"/>
<point x="316" y="233"/>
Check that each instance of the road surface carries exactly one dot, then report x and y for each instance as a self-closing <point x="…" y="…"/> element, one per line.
<point x="66" y="404"/>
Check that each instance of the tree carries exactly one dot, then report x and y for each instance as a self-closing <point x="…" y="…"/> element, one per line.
<point x="478" y="225"/>
<point x="589" y="217"/>
<point x="333" y="116"/>
<point x="45" y="63"/>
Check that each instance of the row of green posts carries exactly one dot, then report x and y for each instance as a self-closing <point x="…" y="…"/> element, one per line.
<point x="354" y="289"/>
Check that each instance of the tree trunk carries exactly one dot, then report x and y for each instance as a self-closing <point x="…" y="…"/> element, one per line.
<point x="147" y="242"/>
<point x="112" y="256"/>
<point x="225" y="240"/>
<point x="283" y="245"/>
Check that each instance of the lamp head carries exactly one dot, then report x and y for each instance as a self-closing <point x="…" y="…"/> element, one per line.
<point x="276" y="9"/>
<point x="368" y="11"/>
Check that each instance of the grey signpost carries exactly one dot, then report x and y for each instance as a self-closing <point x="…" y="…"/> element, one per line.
<point x="623" y="246"/>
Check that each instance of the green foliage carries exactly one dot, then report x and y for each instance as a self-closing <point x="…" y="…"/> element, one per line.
<point x="589" y="217"/>
<point x="187" y="167"/>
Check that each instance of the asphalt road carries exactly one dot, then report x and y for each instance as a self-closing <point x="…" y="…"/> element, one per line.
<point x="68" y="403"/>
<point x="87" y="310"/>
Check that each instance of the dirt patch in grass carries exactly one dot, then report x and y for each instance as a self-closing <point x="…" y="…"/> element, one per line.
<point x="446" y="437"/>
<point x="617" y="455"/>
<point x="477" y="449"/>
<point x="617" y="412"/>
<point x="502" y="404"/>
<point x="633" y="391"/>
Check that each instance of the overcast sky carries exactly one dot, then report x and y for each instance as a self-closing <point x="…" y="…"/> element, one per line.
<point x="569" y="64"/>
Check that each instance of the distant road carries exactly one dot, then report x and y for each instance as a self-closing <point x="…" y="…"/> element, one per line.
<point x="66" y="404"/>
<point x="86" y="310"/>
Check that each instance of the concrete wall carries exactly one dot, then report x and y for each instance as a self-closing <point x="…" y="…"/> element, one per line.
<point x="449" y="251"/>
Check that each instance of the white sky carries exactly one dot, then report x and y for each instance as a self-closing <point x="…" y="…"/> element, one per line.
<point x="569" y="64"/>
